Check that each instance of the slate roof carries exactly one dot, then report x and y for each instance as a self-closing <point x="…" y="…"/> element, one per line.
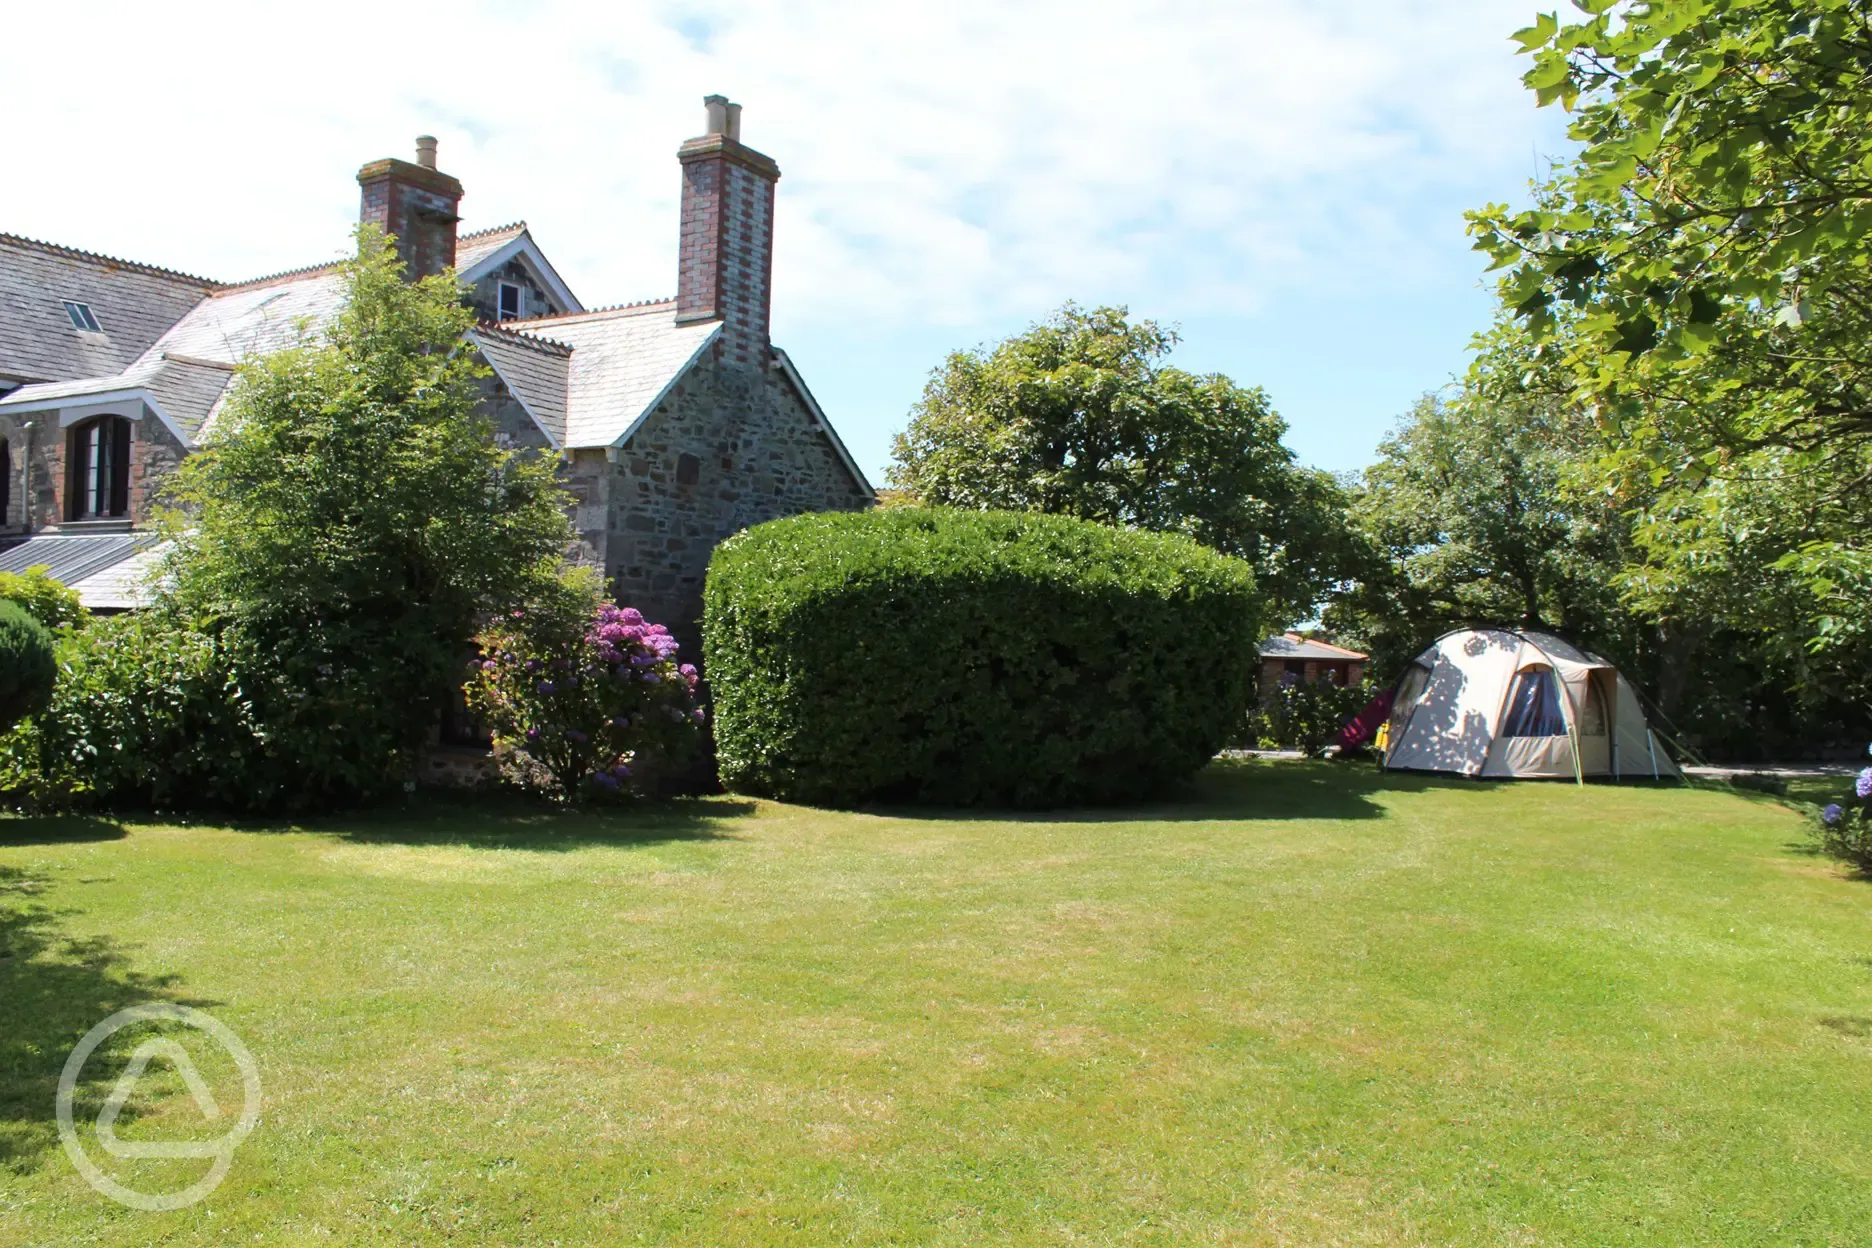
<point x="1294" y="647"/>
<point x="185" y="391"/>
<point x="94" y="564"/>
<point x="133" y="303"/>
<point x="535" y="370"/>
<point x="243" y="322"/>
<point x="623" y="361"/>
<point x="471" y="249"/>
<point x="125" y="585"/>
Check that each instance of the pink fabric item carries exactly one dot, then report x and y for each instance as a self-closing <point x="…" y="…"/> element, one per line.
<point x="1360" y="728"/>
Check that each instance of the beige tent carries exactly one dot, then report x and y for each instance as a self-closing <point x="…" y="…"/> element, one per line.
<point x="1493" y="702"/>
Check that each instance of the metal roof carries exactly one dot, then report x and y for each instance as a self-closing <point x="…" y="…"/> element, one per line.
<point x="70" y="559"/>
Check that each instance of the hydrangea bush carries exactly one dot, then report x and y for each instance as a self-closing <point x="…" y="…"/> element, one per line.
<point x="581" y="703"/>
<point x="1846" y="827"/>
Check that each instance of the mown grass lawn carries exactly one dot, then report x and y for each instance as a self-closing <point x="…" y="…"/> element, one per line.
<point x="1303" y="1006"/>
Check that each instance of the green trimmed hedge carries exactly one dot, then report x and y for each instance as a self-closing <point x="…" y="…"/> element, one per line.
<point x="961" y="658"/>
<point x="28" y="669"/>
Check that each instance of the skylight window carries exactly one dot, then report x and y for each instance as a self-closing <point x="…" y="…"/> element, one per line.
<point x="81" y="317"/>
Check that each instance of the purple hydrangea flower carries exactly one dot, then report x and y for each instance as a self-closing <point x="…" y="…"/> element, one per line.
<point x="547" y="686"/>
<point x="532" y="734"/>
<point x="1863" y="785"/>
<point x="605" y="778"/>
<point x="488" y="666"/>
<point x="1832" y="815"/>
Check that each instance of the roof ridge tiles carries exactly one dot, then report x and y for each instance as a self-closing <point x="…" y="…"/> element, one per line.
<point x="638" y="305"/>
<point x="284" y="275"/>
<point x="79" y="253"/>
<point x="551" y="346"/>
<point x="517" y="227"/>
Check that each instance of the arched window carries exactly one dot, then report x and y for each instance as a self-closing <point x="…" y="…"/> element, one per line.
<point x="97" y="469"/>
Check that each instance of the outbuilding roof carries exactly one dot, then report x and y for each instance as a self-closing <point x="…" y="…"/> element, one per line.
<point x="1294" y="646"/>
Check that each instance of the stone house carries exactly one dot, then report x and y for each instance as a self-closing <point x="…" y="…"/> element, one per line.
<point x="677" y="421"/>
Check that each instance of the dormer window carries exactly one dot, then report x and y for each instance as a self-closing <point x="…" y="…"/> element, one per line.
<point x="509" y="302"/>
<point x="82" y="317"/>
<point x="97" y="470"/>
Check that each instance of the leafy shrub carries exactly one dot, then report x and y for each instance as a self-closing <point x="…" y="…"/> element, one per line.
<point x="53" y="603"/>
<point x="27" y="666"/>
<point x="1845" y="829"/>
<point x="1305" y="716"/>
<point x="970" y="658"/>
<point x="581" y="700"/>
<point x="142" y="715"/>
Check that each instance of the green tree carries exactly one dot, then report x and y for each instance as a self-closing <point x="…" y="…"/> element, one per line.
<point x="1082" y="416"/>
<point x="347" y="528"/>
<point x="1701" y="265"/>
<point x="1486" y="507"/>
<point x="1468" y="517"/>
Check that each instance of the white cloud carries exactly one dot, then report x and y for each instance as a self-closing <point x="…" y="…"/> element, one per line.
<point x="941" y="159"/>
<point x="953" y="167"/>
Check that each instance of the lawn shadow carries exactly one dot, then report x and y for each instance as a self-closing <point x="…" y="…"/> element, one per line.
<point x="1236" y="790"/>
<point x="507" y="821"/>
<point x="57" y="829"/>
<point x="55" y="987"/>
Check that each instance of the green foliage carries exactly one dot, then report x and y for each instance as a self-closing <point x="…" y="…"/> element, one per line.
<point x="1844" y="828"/>
<point x="1305" y="715"/>
<point x="1700" y="267"/>
<point x="973" y="658"/>
<point x="1080" y="416"/>
<point x="583" y="699"/>
<point x="51" y="602"/>
<point x="348" y="526"/>
<point x="27" y="668"/>
<point x="1482" y="509"/>
<point x="142" y="715"/>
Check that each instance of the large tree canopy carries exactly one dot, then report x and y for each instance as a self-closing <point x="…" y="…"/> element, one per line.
<point x="1702" y="269"/>
<point x="1082" y="416"/>
<point x="349" y="525"/>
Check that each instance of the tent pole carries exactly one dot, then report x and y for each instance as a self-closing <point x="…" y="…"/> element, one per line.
<point x="1650" y="741"/>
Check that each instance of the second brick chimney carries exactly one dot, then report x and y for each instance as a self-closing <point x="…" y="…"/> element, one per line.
<point x="725" y="270"/>
<point x="416" y="203"/>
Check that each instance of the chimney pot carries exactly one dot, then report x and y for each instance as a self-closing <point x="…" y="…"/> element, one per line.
<point x="718" y="107"/>
<point x="426" y="150"/>
<point x="734" y="122"/>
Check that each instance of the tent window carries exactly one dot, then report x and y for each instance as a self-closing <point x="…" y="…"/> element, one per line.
<point x="1534" y="706"/>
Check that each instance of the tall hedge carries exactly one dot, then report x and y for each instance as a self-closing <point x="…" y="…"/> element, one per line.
<point x="27" y="666"/>
<point x="942" y="657"/>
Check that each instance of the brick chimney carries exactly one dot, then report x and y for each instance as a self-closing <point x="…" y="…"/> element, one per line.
<point x="725" y="270"/>
<point x="416" y="204"/>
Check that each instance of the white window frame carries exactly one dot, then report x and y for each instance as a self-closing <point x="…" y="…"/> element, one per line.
<point x="500" y="301"/>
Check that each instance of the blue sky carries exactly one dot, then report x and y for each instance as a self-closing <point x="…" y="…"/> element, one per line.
<point x="1284" y="181"/>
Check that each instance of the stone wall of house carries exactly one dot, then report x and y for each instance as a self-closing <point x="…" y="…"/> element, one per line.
<point x="728" y="447"/>
<point x="484" y="297"/>
<point x="39" y="486"/>
<point x="513" y="428"/>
